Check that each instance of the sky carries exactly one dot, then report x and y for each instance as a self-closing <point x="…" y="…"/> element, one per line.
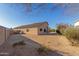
<point x="16" y="14"/>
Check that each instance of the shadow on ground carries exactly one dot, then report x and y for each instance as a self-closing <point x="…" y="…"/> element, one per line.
<point x="30" y="49"/>
<point x="53" y="33"/>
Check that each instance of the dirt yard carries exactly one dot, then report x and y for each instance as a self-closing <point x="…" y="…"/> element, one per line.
<point x="56" y="42"/>
<point x="58" y="45"/>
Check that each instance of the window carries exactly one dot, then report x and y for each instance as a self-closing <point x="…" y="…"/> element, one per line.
<point x="27" y="30"/>
<point x="44" y="30"/>
<point x="41" y="29"/>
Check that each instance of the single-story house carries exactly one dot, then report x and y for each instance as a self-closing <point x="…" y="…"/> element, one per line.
<point x="35" y="28"/>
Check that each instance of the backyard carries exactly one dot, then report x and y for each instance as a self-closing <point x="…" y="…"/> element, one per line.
<point x="57" y="44"/>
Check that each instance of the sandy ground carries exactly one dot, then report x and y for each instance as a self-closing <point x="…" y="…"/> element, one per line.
<point x="56" y="42"/>
<point x="58" y="45"/>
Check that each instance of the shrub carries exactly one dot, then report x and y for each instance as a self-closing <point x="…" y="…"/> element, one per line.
<point x="42" y="50"/>
<point x="16" y="32"/>
<point x="61" y="28"/>
<point x="57" y="31"/>
<point x="72" y="34"/>
<point x="18" y="43"/>
<point x="51" y="30"/>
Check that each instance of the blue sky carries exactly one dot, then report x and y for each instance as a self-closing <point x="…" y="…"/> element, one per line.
<point x="12" y="15"/>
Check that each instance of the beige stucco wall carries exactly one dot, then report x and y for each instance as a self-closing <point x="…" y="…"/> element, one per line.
<point x="35" y="30"/>
<point x="30" y="30"/>
<point x="8" y="31"/>
<point x="44" y="26"/>
<point x="4" y="35"/>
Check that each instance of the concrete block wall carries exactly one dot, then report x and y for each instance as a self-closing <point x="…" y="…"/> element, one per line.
<point x="4" y="35"/>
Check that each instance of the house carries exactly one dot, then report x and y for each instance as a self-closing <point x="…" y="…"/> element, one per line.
<point x="36" y="28"/>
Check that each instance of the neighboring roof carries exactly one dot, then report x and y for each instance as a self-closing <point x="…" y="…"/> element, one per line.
<point x="2" y="27"/>
<point x="31" y="25"/>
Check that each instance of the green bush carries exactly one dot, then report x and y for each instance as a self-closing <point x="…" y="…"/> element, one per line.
<point x="52" y="30"/>
<point x="72" y="34"/>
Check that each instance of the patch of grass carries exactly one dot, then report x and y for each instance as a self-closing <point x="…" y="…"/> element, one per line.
<point x="20" y="43"/>
<point x="43" y="50"/>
